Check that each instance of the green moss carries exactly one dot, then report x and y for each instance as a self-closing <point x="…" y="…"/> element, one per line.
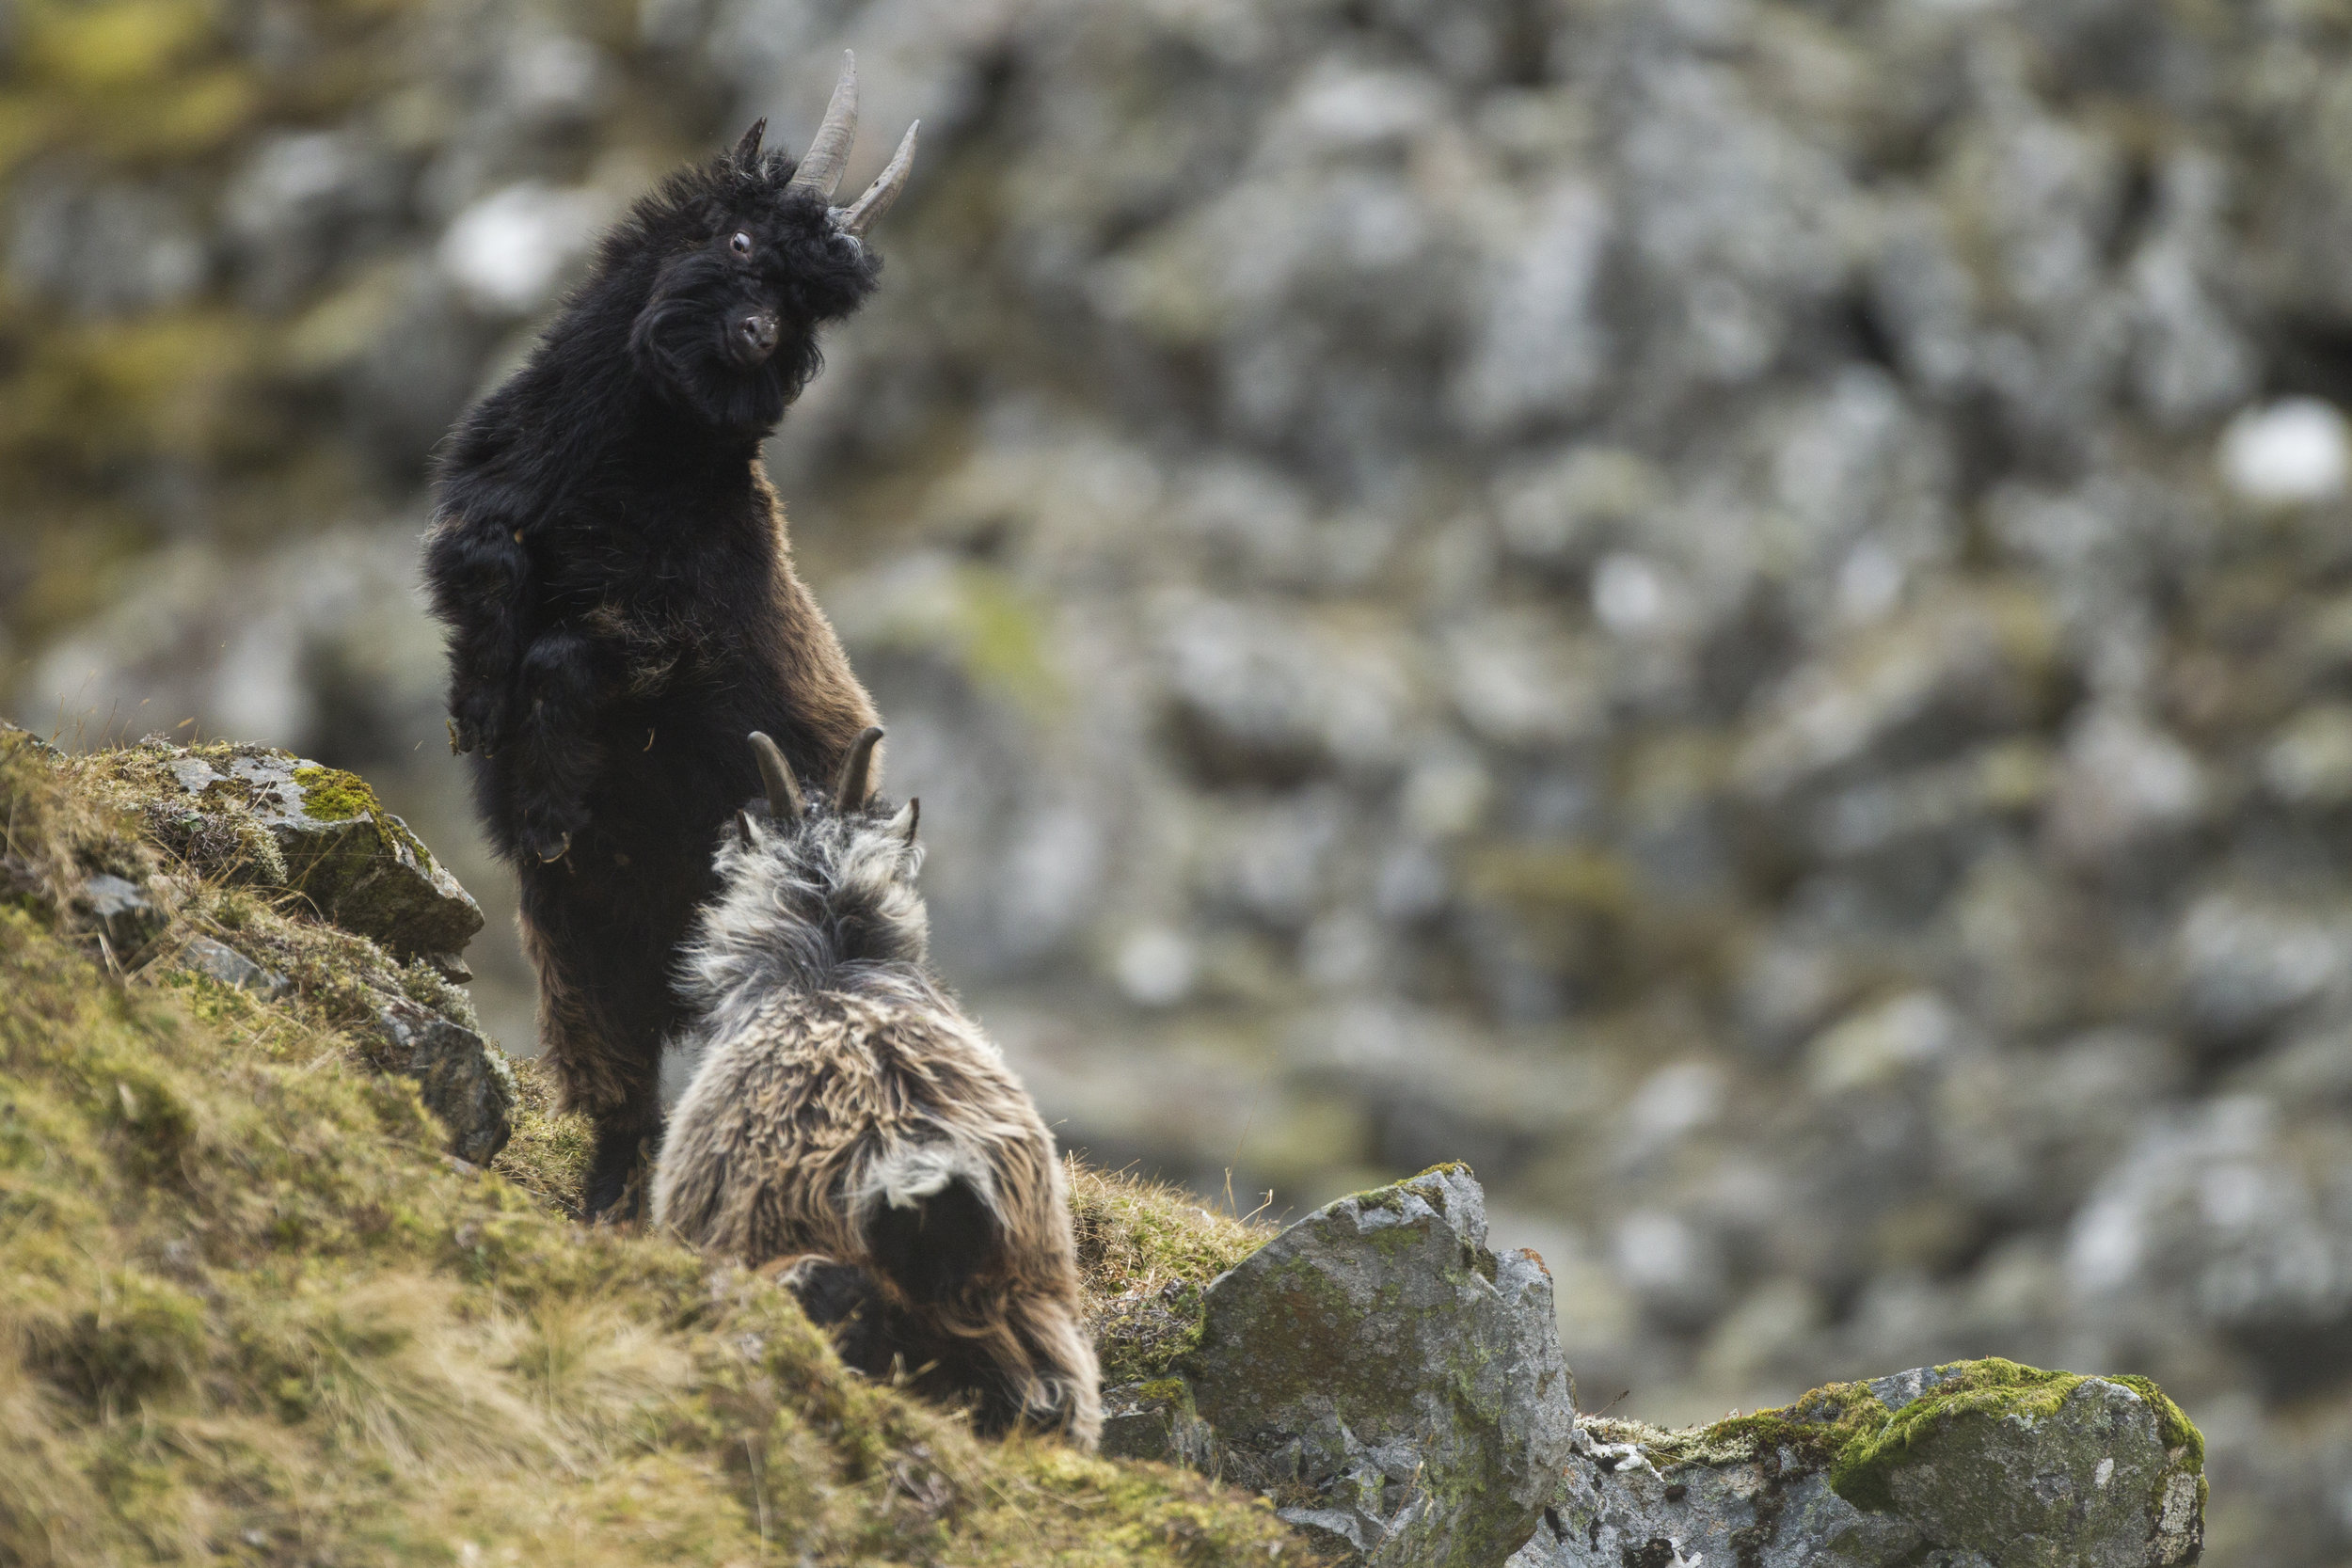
<point x="126" y="43"/>
<point x="1003" y="635"/>
<point x="548" y="1154"/>
<point x="2179" y="1433"/>
<point x="331" y="795"/>
<point x="138" y="1336"/>
<point x="1864" y="1466"/>
<point x="423" y="983"/>
<point x="1568" y="877"/>
<point x="1848" y="1429"/>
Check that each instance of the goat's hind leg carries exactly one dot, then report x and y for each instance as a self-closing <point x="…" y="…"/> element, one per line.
<point x="607" y="1058"/>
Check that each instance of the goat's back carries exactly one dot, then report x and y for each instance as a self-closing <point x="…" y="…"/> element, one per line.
<point x="810" y="1116"/>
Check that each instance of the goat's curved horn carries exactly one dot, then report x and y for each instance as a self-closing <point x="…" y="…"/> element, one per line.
<point x="784" y="796"/>
<point x="747" y="150"/>
<point x="855" y="774"/>
<point x="883" y="192"/>
<point x="819" y="172"/>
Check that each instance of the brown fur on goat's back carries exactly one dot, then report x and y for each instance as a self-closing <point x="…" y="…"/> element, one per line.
<point x="794" y="1102"/>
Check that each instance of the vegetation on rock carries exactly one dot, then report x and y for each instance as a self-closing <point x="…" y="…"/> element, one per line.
<point x="1853" y="1431"/>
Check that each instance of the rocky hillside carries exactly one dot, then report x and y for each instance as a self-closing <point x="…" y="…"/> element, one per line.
<point x="261" y="1301"/>
<point x="252" y="1311"/>
<point x="1738" y="611"/>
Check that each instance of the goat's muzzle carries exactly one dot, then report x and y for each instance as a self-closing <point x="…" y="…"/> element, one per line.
<point x="751" y="338"/>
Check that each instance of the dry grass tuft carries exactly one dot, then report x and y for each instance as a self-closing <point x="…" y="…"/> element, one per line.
<point x="1146" y="1250"/>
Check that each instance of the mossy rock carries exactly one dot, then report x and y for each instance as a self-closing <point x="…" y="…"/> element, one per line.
<point x="461" y="1080"/>
<point x="1986" y="1464"/>
<point x="358" y="862"/>
<point x="175" y="854"/>
<point x="2033" y="1467"/>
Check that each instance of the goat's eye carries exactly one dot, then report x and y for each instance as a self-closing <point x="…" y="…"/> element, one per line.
<point x="742" y="243"/>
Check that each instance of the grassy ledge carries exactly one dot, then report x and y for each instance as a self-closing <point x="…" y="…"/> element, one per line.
<point x="249" y="1313"/>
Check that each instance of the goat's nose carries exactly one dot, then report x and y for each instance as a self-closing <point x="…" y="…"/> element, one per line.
<point x="756" y="333"/>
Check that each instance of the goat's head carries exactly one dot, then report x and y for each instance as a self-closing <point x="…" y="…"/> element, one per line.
<point x="744" y="258"/>
<point x="823" y="875"/>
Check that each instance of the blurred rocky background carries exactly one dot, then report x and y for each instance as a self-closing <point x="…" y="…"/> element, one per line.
<point x="1739" y="612"/>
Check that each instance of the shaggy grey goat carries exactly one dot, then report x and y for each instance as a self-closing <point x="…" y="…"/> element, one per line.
<point x="848" y="1128"/>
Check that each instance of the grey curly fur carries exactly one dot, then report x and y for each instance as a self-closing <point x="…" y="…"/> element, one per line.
<point x="845" y="1112"/>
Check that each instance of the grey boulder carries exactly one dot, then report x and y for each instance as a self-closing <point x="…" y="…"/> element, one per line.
<point x="1395" y="1386"/>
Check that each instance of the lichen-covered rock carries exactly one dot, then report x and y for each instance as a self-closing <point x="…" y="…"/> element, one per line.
<point x="356" y="861"/>
<point x="1981" y="1464"/>
<point x="1393" y="1385"/>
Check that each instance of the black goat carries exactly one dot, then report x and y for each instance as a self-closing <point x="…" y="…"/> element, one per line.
<point x="613" y="570"/>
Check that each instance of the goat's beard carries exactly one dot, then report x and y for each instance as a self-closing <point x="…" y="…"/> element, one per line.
<point x="680" y="343"/>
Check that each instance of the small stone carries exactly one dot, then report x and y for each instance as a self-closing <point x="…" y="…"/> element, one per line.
<point x="218" y="961"/>
<point x="128" y="917"/>
<point x="450" y="967"/>
<point x="112" y="898"/>
<point x="1154" y="1420"/>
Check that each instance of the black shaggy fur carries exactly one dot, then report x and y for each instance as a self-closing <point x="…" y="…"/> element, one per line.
<point x="615" y="574"/>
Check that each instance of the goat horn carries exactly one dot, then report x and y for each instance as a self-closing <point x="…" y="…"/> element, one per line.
<point x="747" y="150"/>
<point x="883" y="192"/>
<point x="853" y="788"/>
<point x="820" y="173"/>
<point x="784" y="796"/>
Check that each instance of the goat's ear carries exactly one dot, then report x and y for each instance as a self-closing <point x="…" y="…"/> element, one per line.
<point x="743" y="827"/>
<point x="747" y="150"/>
<point x="909" y="815"/>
